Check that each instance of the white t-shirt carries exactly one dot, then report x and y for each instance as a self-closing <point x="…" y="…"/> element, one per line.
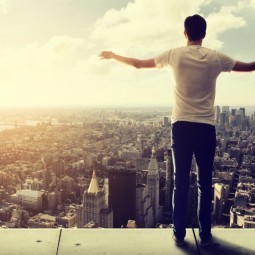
<point x="195" y="70"/>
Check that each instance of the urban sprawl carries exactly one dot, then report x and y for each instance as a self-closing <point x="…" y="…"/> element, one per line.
<point x="105" y="168"/>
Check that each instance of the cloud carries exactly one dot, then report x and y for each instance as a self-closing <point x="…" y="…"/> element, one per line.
<point x="222" y="21"/>
<point x="57" y="52"/>
<point x="145" y="25"/>
<point x="38" y="73"/>
<point x="66" y="70"/>
<point x="153" y="26"/>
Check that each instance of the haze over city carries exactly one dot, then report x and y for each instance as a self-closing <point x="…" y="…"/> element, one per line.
<point x="49" y="50"/>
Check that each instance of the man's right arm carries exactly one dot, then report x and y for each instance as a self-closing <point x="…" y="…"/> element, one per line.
<point x="244" y="67"/>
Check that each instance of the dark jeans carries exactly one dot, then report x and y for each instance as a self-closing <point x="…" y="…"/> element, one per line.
<point x="200" y="139"/>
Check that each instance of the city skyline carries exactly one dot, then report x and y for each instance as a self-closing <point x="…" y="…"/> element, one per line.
<point x="49" y="50"/>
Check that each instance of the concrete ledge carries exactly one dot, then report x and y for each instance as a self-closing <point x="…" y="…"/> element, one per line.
<point x="29" y="241"/>
<point x="121" y="242"/>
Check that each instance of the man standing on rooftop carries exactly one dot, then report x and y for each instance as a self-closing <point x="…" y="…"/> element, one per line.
<point x="195" y="70"/>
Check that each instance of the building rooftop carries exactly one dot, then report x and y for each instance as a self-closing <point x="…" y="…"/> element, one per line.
<point x="122" y="241"/>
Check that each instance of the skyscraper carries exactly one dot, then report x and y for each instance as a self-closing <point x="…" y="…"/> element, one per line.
<point x="122" y="195"/>
<point x="46" y="178"/>
<point x="217" y="113"/>
<point x="59" y="167"/>
<point x="144" y="212"/>
<point x="153" y="186"/>
<point x="94" y="207"/>
<point x="169" y="180"/>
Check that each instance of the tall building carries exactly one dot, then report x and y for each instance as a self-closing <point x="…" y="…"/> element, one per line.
<point x="88" y="161"/>
<point x="226" y="110"/>
<point x="59" y="167"/>
<point x="153" y="186"/>
<point x="242" y="112"/>
<point x="223" y="118"/>
<point x="221" y="192"/>
<point x="94" y="207"/>
<point x="217" y="113"/>
<point x="144" y="212"/>
<point x="122" y="195"/>
<point x="166" y="122"/>
<point x="106" y="191"/>
<point x="46" y="176"/>
<point x="169" y="180"/>
<point x="53" y="200"/>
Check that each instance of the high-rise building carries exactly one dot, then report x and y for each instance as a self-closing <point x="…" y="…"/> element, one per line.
<point x="46" y="176"/>
<point x="88" y="161"/>
<point x="59" y="167"/>
<point x="217" y="113"/>
<point x="226" y="110"/>
<point x="106" y="191"/>
<point x="166" y="122"/>
<point x="153" y="186"/>
<point x="233" y="112"/>
<point x="223" y="118"/>
<point x="144" y="213"/>
<point x="169" y="180"/>
<point x="52" y="201"/>
<point x="242" y="112"/>
<point x="68" y="186"/>
<point x="93" y="201"/>
<point x="220" y="195"/>
<point x="122" y="195"/>
<point x="94" y="207"/>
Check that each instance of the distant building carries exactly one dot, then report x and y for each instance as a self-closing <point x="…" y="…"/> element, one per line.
<point x="242" y="217"/>
<point x="66" y="220"/>
<point x="144" y="212"/>
<point x="59" y="167"/>
<point x="122" y="195"/>
<point x="153" y="186"/>
<point x="169" y="180"/>
<point x="30" y="199"/>
<point x="217" y="113"/>
<point x="46" y="178"/>
<point x="94" y="207"/>
<point x="166" y="122"/>
<point x="241" y="198"/>
<point x="130" y="154"/>
<point x="221" y="192"/>
<point x="42" y="221"/>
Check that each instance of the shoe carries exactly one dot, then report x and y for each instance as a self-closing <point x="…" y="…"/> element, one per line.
<point x="206" y="242"/>
<point x="178" y="241"/>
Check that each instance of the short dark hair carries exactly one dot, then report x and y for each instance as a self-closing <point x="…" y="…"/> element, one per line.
<point x="195" y="27"/>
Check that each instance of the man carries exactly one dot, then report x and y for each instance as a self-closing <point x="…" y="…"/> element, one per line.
<point x="195" y="70"/>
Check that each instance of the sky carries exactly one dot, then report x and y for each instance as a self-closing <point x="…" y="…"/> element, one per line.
<point x="49" y="50"/>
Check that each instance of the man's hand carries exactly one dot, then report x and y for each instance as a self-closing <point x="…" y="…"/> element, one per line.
<point x="106" y="55"/>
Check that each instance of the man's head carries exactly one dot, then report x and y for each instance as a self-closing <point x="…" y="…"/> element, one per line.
<point x="195" y="27"/>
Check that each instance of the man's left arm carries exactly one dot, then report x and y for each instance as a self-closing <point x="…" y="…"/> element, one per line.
<point x="137" y="63"/>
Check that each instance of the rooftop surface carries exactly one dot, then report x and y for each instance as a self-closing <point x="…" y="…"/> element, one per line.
<point x="121" y="242"/>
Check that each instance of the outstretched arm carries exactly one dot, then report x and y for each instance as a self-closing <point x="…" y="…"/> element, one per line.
<point x="137" y="63"/>
<point x="244" y="67"/>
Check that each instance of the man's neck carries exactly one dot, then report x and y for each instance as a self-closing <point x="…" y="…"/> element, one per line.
<point x="190" y="43"/>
